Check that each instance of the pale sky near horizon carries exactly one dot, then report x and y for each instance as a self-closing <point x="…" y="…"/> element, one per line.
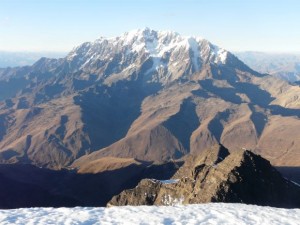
<point x="237" y="25"/>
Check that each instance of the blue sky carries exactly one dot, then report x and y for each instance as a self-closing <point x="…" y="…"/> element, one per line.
<point x="59" y="25"/>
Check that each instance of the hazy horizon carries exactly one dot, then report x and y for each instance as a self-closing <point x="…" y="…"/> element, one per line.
<point x="66" y="52"/>
<point x="27" y="58"/>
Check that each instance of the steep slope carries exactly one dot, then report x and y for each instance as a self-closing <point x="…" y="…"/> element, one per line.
<point x="216" y="176"/>
<point x="207" y="112"/>
<point x="150" y="95"/>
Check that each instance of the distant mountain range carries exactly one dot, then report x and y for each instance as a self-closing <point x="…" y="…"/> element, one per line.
<point x="149" y="95"/>
<point x="285" y="66"/>
<point x="15" y="59"/>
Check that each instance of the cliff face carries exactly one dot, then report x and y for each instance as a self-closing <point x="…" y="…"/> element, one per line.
<point x="217" y="176"/>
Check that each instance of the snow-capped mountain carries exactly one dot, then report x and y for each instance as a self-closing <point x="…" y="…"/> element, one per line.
<point x="149" y="95"/>
<point x="163" y="55"/>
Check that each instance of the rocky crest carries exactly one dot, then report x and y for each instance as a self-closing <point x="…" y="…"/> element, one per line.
<point x="217" y="176"/>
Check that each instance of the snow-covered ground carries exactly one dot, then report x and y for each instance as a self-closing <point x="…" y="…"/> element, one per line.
<point x="213" y="213"/>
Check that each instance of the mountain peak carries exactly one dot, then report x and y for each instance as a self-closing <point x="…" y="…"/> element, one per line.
<point x="170" y="54"/>
<point x="156" y="98"/>
<point x="147" y="32"/>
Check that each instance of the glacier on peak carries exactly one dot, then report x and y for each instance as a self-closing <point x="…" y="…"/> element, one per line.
<point x="155" y="42"/>
<point x="172" y="54"/>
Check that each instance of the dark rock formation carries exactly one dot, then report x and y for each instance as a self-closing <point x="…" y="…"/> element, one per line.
<point x="217" y="176"/>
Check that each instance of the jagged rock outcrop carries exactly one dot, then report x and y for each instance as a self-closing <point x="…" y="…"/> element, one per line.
<point x="217" y="176"/>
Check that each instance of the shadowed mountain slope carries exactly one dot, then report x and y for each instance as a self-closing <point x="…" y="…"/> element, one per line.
<point x="149" y="95"/>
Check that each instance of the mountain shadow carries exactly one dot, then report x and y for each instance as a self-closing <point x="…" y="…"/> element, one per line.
<point x="291" y="173"/>
<point x="184" y="123"/>
<point x="256" y="95"/>
<point x="216" y="127"/>
<point x="108" y="113"/>
<point x="2" y="126"/>
<point x="29" y="186"/>
<point x="259" y="120"/>
<point x="279" y="110"/>
<point x="227" y="94"/>
<point x="61" y="130"/>
<point x="11" y="87"/>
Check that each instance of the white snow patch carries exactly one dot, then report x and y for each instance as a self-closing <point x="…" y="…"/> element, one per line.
<point x="220" y="55"/>
<point x="196" y="53"/>
<point x="170" y="201"/>
<point x="212" y="213"/>
<point x="169" y="50"/>
<point x="172" y="181"/>
<point x="295" y="183"/>
<point x="153" y="180"/>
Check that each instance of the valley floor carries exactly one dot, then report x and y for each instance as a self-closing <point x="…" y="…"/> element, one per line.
<point x="212" y="213"/>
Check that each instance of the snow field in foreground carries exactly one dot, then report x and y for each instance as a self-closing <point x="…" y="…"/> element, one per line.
<point x="212" y="213"/>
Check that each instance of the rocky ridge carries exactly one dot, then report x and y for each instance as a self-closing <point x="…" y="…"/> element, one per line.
<point x="216" y="176"/>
